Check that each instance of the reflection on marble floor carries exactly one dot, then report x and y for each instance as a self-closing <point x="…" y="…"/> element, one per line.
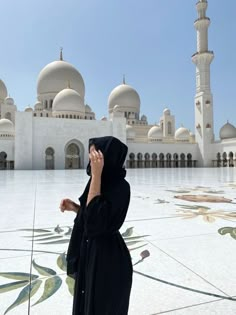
<point x="180" y="230"/>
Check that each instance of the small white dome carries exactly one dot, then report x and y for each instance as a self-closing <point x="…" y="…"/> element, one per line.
<point x="182" y="134"/>
<point x="126" y="97"/>
<point x="28" y="109"/>
<point x="104" y="118"/>
<point x="9" y="100"/>
<point x="155" y="133"/>
<point x="68" y="100"/>
<point x="6" y="126"/>
<point x="3" y="90"/>
<point x="55" y="76"/>
<point x="130" y="132"/>
<point x="166" y="111"/>
<point x="88" y="109"/>
<point x="38" y="106"/>
<point x="227" y="131"/>
<point x="144" y="118"/>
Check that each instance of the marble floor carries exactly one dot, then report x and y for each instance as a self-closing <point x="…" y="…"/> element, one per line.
<point x="180" y="230"/>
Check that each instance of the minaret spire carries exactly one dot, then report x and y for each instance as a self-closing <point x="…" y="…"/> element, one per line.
<point x="203" y="97"/>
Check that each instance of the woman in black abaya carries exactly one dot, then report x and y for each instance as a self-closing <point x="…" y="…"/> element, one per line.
<point x="98" y="258"/>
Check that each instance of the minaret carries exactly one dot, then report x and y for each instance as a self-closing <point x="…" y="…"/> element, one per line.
<point x="204" y="133"/>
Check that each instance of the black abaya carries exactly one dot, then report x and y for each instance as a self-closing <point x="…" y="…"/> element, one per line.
<point x="98" y="257"/>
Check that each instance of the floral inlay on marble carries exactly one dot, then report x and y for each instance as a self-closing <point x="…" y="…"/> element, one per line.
<point x="48" y="277"/>
<point x="208" y="215"/>
<point x="204" y="198"/>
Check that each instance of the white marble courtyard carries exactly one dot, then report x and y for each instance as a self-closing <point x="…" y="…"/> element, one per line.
<point x="188" y="242"/>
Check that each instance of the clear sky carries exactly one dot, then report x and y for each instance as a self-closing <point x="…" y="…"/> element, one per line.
<point x="150" y="41"/>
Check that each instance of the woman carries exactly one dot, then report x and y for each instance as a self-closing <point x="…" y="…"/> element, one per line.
<point x="97" y="256"/>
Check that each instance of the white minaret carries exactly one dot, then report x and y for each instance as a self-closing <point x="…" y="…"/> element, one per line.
<point x="204" y="132"/>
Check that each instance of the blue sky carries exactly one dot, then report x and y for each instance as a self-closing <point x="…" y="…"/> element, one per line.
<point x="150" y="41"/>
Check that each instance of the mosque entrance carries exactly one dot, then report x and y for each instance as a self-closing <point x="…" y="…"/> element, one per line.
<point x="74" y="155"/>
<point x="49" y="159"/>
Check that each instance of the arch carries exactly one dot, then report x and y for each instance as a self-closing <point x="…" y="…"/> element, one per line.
<point x="132" y="160"/>
<point x="231" y="159"/>
<point x="168" y="160"/>
<point x="74" y="154"/>
<point x="224" y="155"/>
<point x="51" y="101"/>
<point x="169" y="128"/>
<point x="3" y="160"/>
<point x="49" y="159"/>
<point x="182" y="160"/>
<point x="147" y="160"/>
<point x="139" y="160"/>
<point x="46" y="104"/>
<point x="176" y="160"/>
<point x="161" y="158"/>
<point x="154" y="160"/>
<point x="8" y="115"/>
<point x="189" y="160"/>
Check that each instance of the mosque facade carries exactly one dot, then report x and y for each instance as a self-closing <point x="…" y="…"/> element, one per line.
<point x="54" y="133"/>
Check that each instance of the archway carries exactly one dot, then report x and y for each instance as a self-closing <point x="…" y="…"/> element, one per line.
<point x="3" y="160"/>
<point x="49" y="159"/>
<point x="74" y="153"/>
<point x="147" y="160"/>
<point x="132" y="160"/>
<point x="140" y="162"/>
<point x="224" y="159"/>
<point x="154" y="160"/>
<point x="182" y="160"/>
<point x="168" y="160"/>
<point x="218" y="157"/>
<point x="231" y="159"/>
<point x="176" y="160"/>
<point x="161" y="158"/>
<point x="189" y="160"/>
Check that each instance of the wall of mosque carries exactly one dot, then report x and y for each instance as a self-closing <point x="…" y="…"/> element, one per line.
<point x="52" y="143"/>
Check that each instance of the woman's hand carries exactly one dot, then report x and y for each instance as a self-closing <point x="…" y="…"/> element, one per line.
<point x="97" y="163"/>
<point x="69" y="205"/>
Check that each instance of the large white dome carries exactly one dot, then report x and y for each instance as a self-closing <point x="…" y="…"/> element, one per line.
<point x="3" y="90"/>
<point x="68" y="100"/>
<point x="6" y="126"/>
<point x="126" y="97"/>
<point x="227" y="131"/>
<point x="155" y="133"/>
<point x="182" y="134"/>
<point x="55" y="77"/>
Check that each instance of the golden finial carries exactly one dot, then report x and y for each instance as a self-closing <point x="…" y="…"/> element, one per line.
<point x="124" y="79"/>
<point x="61" y="54"/>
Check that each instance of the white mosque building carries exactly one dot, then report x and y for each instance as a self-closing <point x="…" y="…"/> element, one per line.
<point x="54" y="134"/>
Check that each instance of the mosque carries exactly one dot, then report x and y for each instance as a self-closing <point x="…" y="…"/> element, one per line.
<point x="54" y="133"/>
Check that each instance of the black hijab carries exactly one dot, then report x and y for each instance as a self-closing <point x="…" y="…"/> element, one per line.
<point x="114" y="154"/>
